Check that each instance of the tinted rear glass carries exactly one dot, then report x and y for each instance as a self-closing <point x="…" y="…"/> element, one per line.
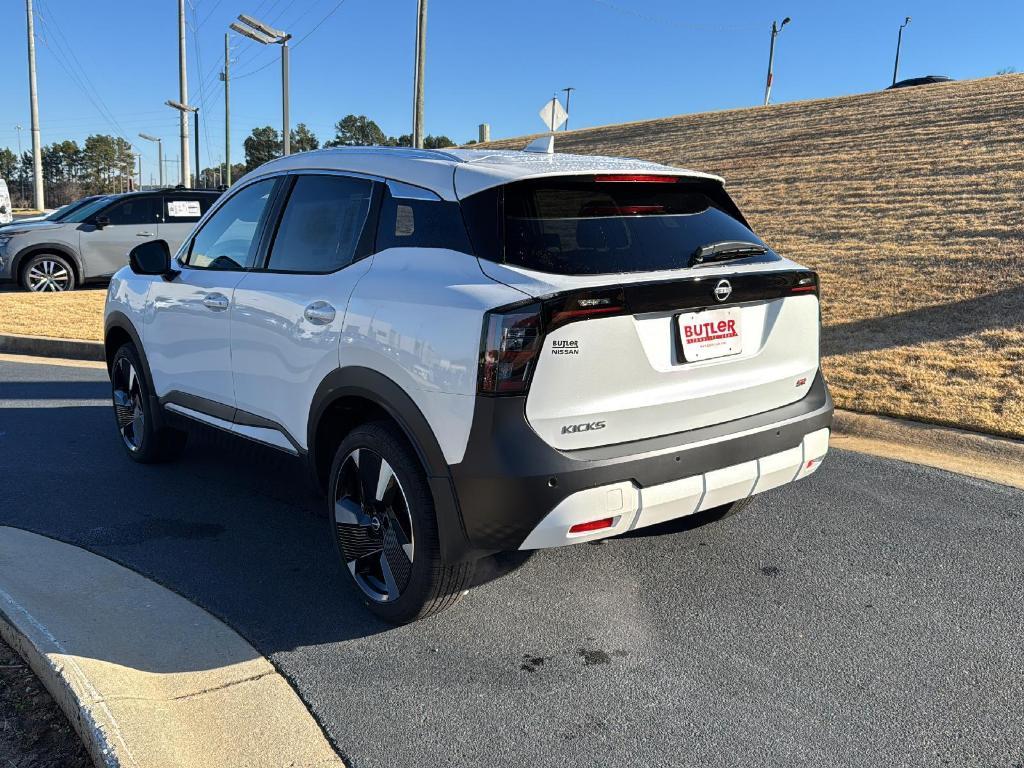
<point x="586" y="227"/>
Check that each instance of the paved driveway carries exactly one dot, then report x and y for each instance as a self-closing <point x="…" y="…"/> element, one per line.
<point x="871" y="615"/>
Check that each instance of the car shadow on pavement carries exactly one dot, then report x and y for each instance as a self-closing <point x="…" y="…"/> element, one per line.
<point x="234" y="527"/>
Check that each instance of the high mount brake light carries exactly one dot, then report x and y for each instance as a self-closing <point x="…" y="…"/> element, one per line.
<point x="646" y="177"/>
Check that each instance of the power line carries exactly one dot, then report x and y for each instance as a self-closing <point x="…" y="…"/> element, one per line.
<point x="662" y="21"/>
<point x="202" y="94"/>
<point x="68" y="53"/>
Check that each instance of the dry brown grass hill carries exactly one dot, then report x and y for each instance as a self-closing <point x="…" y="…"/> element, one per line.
<point x="910" y="204"/>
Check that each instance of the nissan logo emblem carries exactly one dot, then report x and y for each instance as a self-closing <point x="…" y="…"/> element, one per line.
<point x="723" y="290"/>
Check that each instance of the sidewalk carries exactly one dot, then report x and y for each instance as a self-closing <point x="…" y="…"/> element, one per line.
<point x="147" y="678"/>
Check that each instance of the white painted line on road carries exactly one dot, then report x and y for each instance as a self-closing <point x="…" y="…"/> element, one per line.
<point x="6" y="358"/>
<point x="35" y="404"/>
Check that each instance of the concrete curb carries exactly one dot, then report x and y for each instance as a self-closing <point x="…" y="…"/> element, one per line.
<point x="41" y="346"/>
<point x="996" y="459"/>
<point x="146" y="677"/>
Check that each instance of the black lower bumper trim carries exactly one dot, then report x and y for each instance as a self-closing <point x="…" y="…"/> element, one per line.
<point x="510" y="478"/>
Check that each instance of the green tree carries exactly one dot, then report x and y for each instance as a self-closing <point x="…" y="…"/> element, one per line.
<point x="261" y="146"/>
<point x="302" y="139"/>
<point x="100" y="157"/>
<point x="405" y="140"/>
<point x="357" y="131"/>
<point x="8" y="164"/>
<point x="437" y="142"/>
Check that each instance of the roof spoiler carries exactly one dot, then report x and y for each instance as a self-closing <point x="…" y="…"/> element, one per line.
<point x="545" y="145"/>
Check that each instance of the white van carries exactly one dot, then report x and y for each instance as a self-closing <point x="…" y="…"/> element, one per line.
<point x="6" y="215"/>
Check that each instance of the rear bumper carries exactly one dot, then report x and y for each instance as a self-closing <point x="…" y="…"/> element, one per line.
<point x="511" y="481"/>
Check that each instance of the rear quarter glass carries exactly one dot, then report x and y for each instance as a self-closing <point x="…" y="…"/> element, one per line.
<point x="415" y="223"/>
<point x="581" y="226"/>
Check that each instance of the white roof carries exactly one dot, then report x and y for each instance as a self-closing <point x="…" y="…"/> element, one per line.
<point x="458" y="173"/>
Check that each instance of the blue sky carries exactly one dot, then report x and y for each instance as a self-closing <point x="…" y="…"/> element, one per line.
<point x="486" y="61"/>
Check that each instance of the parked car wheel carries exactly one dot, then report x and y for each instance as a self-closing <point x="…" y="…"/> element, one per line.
<point x="382" y="520"/>
<point x="48" y="272"/>
<point x="143" y="440"/>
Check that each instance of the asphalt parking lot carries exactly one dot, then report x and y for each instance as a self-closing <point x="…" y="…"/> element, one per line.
<point x="868" y="616"/>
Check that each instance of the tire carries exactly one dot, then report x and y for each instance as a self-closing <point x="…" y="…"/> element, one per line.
<point x="47" y="272"/>
<point x="381" y="517"/>
<point x="143" y="439"/>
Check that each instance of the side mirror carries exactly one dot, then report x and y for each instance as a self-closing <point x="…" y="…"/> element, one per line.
<point x="101" y="222"/>
<point x="152" y="257"/>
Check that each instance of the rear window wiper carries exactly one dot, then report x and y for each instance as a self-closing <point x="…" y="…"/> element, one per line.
<point x="726" y="250"/>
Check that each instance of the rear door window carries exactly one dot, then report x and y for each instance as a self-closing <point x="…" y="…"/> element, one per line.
<point x="600" y="225"/>
<point x="186" y="210"/>
<point x="323" y="227"/>
<point x="134" y="210"/>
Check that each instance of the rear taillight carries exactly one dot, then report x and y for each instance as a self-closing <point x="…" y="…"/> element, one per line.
<point x="511" y="343"/>
<point x="806" y="283"/>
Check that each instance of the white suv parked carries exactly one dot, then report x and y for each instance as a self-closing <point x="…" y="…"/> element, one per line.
<point x="477" y="351"/>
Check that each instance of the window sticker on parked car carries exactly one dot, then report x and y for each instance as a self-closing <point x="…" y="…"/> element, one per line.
<point x="183" y="208"/>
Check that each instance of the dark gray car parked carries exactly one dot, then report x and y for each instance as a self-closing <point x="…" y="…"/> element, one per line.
<point x="93" y="242"/>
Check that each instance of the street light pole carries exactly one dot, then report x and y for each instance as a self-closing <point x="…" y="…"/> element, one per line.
<point x="568" y="93"/>
<point x="287" y="137"/>
<point x="267" y="35"/>
<point x="185" y="109"/>
<point x="21" y="179"/>
<point x="899" y="42"/>
<point x="776" y="28"/>
<point x="159" y="153"/>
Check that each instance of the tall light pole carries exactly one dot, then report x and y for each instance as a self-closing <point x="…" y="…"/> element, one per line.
<point x="568" y="93"/>
<point x="21" y="179"/>
<point x="420" y="66"/>
<point x="159" y="152"/>
<point x="186" y="174"/>
<point x="899" y="42"/>
<point x="267" y="35"/>
<point x="226" y="77"/>
<point x="185" y="109"/>
<point x="37" y="148"/>
<point x="776" y="28"/>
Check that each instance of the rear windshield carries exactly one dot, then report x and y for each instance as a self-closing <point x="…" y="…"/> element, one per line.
<point x="591" y="226"/>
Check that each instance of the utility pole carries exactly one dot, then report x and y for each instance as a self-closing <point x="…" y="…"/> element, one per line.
<point x="776" y="28"/>
<point x="37" y="150"/>
<point x="568" y="93"/>
<point x="226" y="77"/>
<point x="140" y="170"/>
<point x="899" y="42"/>
<point x="421" y="54"/>
<point x="186" y="170"/>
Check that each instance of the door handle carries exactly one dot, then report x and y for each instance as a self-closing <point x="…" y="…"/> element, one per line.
<point x="218" y="302"/>
<point x="145" y="234"/>
<point x="319" y="313"/>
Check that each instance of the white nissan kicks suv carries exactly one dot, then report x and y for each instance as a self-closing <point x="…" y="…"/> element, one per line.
<point x="477" y="351"/>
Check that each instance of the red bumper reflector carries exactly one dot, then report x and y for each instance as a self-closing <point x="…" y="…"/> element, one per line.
<point x="593" y="525"/>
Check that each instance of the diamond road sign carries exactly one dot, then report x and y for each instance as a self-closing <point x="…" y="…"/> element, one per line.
<point x="553" y="114"/>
